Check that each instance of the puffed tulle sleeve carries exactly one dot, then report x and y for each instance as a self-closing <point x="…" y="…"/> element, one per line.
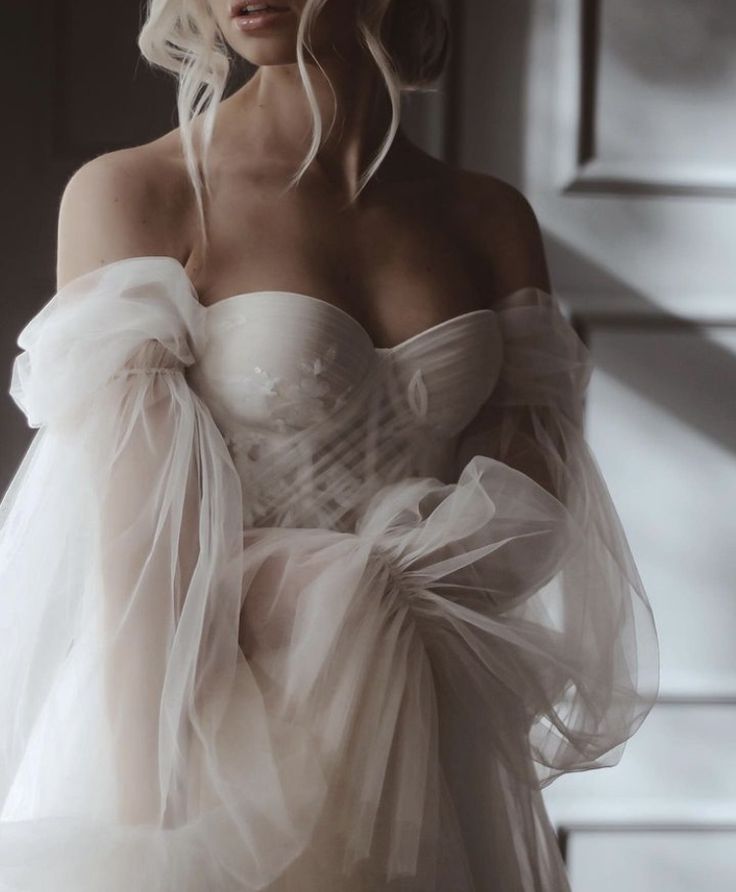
<point x="575" y="628"/>
<point x="122" y="684"/>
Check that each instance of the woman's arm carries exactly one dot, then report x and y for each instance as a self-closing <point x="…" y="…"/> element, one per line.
<point x="504" y="229"/>
<point x="500" y="227"/>
<point x="122" y="204"/>
<point x="144" y="456"/>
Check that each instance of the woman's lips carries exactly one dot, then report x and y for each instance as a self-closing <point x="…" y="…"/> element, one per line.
<point x="237" y="6"/>
<point x="256" y="20"/>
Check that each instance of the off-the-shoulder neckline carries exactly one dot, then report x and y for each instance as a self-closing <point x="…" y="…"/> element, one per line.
<point x="488" y="313"/>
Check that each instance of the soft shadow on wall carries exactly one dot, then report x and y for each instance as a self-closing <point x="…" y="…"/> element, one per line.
<point x="485" y="106"/>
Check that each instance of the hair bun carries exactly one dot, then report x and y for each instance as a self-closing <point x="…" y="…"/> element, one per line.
<point x="417" y="37"/>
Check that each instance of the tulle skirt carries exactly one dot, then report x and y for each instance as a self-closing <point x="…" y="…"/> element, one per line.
<point x="382" y="726"/>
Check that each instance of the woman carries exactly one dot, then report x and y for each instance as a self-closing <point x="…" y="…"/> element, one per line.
<point x="309" y="578"/>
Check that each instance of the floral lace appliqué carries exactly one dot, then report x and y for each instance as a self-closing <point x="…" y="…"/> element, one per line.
<point x="286" y="404"/>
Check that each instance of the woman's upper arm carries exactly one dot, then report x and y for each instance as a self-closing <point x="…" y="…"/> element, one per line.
<point x="505" y="231"/>
<point x="113" y="207"/>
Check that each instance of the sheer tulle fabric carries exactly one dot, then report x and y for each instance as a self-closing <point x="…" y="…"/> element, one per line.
<point x="338" y="673"/>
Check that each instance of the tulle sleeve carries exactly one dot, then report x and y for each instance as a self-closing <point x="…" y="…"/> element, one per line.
<point x="119" y="529"/>
<point x="120" y="595"/>
<point x="565" y="582"/>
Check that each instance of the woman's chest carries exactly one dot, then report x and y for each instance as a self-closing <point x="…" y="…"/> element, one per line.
<point x="398" y="267"/>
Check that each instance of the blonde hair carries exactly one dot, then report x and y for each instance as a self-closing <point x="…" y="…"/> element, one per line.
<point x="406" y="39"/>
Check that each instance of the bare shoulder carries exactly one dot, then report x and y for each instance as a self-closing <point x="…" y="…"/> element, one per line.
<point x="499" y="224"/>
<point x="127" y="203"/>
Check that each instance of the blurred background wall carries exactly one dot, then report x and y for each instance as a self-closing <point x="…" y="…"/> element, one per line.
<point x="615" y="118"/>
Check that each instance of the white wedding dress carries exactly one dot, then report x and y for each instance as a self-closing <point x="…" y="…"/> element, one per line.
<point x="279" y="613"/>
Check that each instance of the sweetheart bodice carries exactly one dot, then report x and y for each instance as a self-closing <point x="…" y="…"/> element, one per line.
<point x="273" y="364"/>
<point x="282" y="359"/>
